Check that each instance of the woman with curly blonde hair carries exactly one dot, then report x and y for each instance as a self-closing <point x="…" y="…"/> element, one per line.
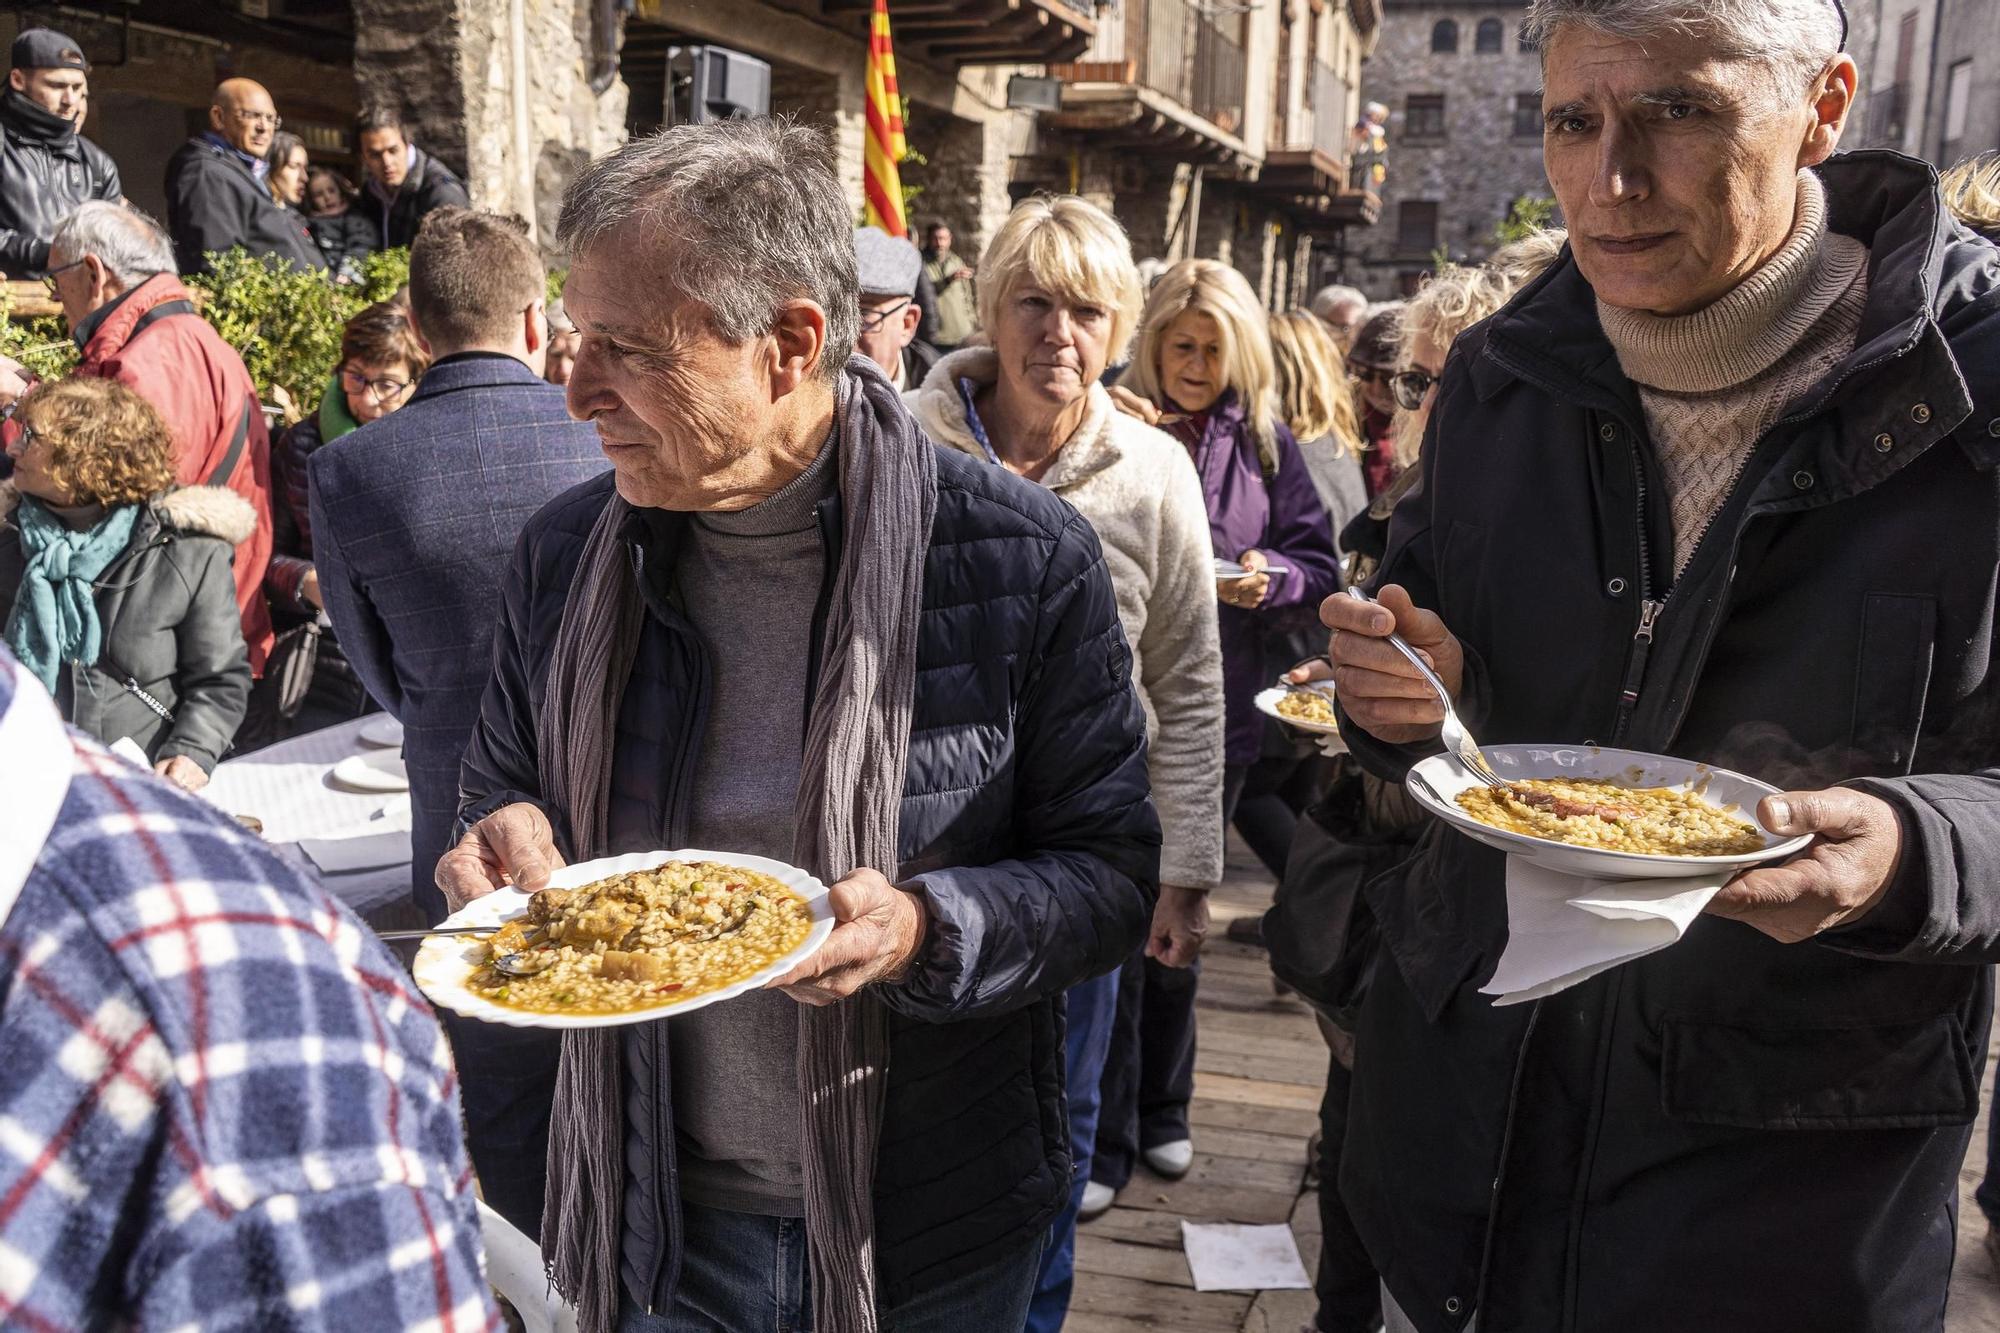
<point x="115" y="590"/>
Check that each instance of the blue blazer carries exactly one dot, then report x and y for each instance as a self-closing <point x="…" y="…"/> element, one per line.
<point x="414" y="521"/>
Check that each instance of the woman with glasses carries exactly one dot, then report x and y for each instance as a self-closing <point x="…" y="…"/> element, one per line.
<point x="1371" y="363"/>
<point x="380" y="364"/>
<point x="115" y="585"/>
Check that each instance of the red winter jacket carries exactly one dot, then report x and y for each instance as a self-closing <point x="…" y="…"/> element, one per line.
<point x="153" y="341"/>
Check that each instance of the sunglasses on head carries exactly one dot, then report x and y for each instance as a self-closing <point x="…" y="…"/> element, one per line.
<point x="1410" y="388"/>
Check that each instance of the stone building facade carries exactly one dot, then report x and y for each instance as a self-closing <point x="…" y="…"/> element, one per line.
<point x="1930" y="77"/>
<point x="1465" y="136"/>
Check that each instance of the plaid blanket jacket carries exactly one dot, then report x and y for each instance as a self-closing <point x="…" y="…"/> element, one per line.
<point x="222" y="1106"/>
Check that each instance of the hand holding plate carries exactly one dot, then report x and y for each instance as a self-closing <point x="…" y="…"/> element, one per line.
<point x="513" y="845"/>
<point x="878" y="932"/>
<point x="1857" y="846"/>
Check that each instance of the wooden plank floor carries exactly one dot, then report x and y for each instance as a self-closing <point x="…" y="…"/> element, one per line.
<point x="1259" y="1068"/>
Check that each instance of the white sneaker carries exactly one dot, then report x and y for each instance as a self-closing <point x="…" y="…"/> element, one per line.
<point x="1171" y="1160"/>
<point x="1097" y="1201"/>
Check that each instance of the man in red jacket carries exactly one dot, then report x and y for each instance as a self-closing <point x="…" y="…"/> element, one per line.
<point x="112" y="268"/>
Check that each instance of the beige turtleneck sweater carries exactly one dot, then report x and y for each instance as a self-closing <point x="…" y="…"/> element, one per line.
<point x="1713" y="382"/>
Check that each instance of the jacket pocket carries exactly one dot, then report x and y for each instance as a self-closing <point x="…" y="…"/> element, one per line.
<point x="1914" y="1074"/>
<point x="1898" y="644"/>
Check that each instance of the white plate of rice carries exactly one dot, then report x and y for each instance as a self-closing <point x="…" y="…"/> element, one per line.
<point x="444" y="965"/>
<point x="1437" y="782"/>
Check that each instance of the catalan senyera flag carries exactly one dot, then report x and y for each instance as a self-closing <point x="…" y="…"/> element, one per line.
<point x="882" y="180"/>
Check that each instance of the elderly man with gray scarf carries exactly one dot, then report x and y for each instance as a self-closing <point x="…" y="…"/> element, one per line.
<point x="789" y="625"/>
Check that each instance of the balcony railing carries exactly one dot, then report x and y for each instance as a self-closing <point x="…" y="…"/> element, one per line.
<point x="1888" y="113"/>
<point x="1184" y="54"/>
<point x="1330" y="110"/>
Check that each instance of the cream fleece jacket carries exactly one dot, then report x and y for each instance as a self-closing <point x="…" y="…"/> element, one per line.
<point x="1138" y="489"/>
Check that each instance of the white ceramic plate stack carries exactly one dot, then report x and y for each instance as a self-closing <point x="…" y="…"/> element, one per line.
<point x="445" y="964"/>
<point x="1437" y="781"/>
<point x="372" y="771"/>
<point x="382" y="731"/>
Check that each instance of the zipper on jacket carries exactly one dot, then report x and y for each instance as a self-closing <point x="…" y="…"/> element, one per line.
<point x="1635" y="665"/>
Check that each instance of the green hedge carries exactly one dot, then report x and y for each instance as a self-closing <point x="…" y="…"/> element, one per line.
<point x="284" y="321"/>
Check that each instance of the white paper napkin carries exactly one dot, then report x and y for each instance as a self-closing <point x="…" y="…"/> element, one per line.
<point x="1226" y="1256"/>
<point x="368" y="851"/>
<point x="128" y="749"/>
<point x="1563" y="929"/>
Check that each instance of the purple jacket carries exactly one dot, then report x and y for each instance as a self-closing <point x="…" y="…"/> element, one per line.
<point x="1281" y="517"/>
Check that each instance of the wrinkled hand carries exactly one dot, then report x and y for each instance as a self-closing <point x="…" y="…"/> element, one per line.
<point x="1383" y="694"/>
<point x="878" y="932"/>
<point x="1132" y="405"/>
<point x="1857" y="845"/>
<point x="14" y="379"/>
<point x="1180" y="924"/>
<point x="183" y="772"/>
<point x="1248" y="592"/>
<point x="513" y="845"/>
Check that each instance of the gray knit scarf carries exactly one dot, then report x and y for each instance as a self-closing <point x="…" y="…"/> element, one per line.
<point x="850" y="787"/>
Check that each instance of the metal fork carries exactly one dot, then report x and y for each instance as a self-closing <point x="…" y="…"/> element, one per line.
<point x="1456" y="738"/>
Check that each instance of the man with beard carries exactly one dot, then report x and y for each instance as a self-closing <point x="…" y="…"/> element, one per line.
<point x="47" y="167"/>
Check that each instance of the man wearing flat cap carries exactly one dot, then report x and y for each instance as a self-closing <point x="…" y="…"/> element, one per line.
<point x="889" y="267"/>
<point x="47" y="167"/>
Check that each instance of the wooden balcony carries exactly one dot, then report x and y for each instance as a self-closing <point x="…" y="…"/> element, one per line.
<point x="980" y="32"/>
<point x="1312" y="184"/>
<point x="1173" y="81"/>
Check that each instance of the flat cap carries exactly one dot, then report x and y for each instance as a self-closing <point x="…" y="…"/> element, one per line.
<point x="45" y="48"/>
<point x="886" y="265"/>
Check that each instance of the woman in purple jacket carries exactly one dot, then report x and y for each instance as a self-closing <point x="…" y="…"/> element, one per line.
<point x="1204" y="368"/>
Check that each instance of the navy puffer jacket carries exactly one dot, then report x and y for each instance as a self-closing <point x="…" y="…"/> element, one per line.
<point x="1026" y="824"/>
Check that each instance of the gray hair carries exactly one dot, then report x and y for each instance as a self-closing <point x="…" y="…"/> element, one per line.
<point x="1798" y="38"/>
<point x="130" y="244"/>
<point x="750" y="216"/>
<point x="1326" y="298"/>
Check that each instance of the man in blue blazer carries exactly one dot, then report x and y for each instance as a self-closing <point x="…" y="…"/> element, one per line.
<point x="415" y="515"/>
<point x="414" y="520"/>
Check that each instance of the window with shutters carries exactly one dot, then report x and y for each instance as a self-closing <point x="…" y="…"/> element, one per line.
<point x="1488" y="37"/>
<point x="1444" y="36"/>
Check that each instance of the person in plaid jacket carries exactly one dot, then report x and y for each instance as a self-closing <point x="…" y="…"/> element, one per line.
<point x="222" y="1104"/>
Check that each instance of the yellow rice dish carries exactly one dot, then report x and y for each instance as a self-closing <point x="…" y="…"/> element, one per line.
<point x="642" y="940"/>
<point x="1655" y="821"/>
<point x="1307" y="706"/>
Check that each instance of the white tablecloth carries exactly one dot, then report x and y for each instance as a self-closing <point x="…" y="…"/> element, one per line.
<point x="287" y="788"/>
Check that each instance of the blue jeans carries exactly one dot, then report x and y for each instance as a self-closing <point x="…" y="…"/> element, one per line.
<point x="741" y="1273"/>
<point x="1092" y="1006"/>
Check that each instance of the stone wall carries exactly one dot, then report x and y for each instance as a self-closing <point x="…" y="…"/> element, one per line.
<point x="1476" y="169"/>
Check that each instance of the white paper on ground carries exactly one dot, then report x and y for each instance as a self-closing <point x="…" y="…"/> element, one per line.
<point x="368" y="851"/>
<point x="1228" y="1257"/>
<point x="1564" y="929"/>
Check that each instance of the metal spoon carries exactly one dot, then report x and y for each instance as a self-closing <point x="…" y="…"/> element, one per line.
<point x="1457" y="740"/>
<point x="511" y="964"/>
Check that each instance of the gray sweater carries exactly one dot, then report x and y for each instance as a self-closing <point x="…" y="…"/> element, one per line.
<point x="749" y="581"/>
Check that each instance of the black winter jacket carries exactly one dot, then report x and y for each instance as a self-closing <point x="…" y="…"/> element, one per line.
<point x="1731" y="1133"/>
<point x="345" y="238"/>
<point x="429" y="185"/>
<point x="1026" y="825"/>
<point x="46" y="170"/>
<point x="171" y="627"/>
<point x="214" y="203"/>
<point x="334" y="684"/>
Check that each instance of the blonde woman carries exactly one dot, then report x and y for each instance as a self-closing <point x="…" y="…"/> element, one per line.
<point x="1058" y="298"/>
<point x="1316" y="401"/>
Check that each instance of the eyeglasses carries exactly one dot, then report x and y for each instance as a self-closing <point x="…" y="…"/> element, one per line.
<point x="1369" y="374"/>
<point x="384" y="390"/>
<point x="872" y="320"/>
<point x="1410" y="387"/>
<point x="271" y="118"/>
<point x="49" y="278"/>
